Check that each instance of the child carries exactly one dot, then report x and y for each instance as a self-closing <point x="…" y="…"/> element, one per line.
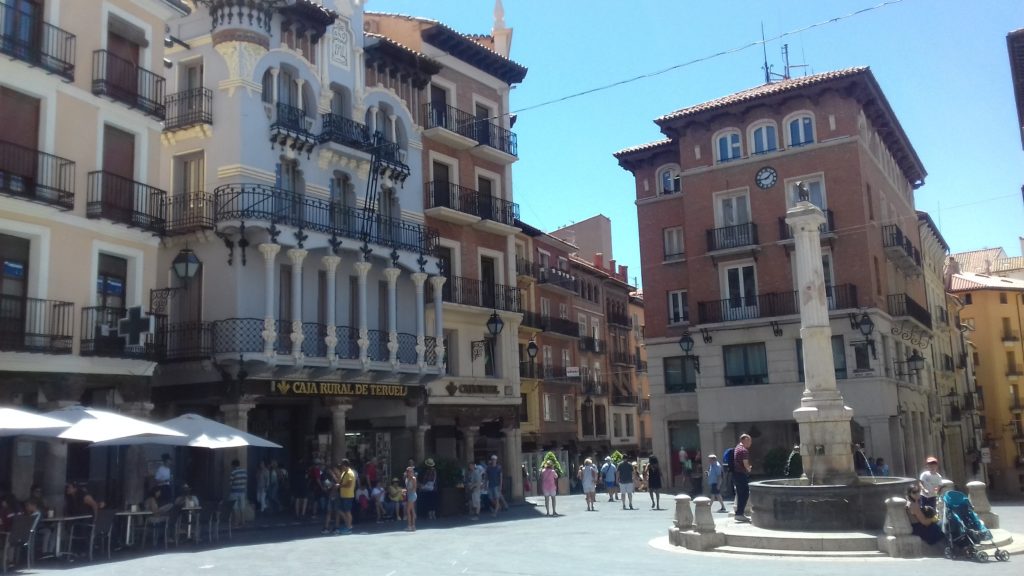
<point x="363" y="498"/>
<point x="395" y="498"/>
<point x="377" y="495"/>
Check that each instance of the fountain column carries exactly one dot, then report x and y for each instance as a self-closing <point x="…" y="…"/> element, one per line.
<point x="823" y="417"/>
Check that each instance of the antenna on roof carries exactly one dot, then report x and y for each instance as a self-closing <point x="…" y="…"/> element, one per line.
<point x="764" y="48"/>
<point x="785" y="58"/>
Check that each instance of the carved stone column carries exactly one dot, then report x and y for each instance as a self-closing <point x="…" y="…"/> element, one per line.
<point x="134" y="462"/>
<point x="469" y="434"/>
<point x="421" y="442"/>
<point x="391" y="274"/>
<point x="237" y="415"/>
<point x="269" y="251"/>
<point x="438" y="283"/>
<point x="339" y="447"/>
<point x="331" y="339"/>
<point x="418" y="278"/>
<point x="362" y="269"/>
<point x="297" y="255"/>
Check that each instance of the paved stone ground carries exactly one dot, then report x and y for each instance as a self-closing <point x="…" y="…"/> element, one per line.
<point x="520" y="542"/>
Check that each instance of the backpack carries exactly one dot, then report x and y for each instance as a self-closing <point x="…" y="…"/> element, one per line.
<point x="727" y="459"/>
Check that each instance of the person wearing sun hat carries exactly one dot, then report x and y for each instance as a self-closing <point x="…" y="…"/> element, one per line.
<point x="428" y="489"/>
<point x="931" y="482"/>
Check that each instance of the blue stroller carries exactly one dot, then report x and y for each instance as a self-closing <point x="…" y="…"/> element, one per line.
<point x="965" y="531"/>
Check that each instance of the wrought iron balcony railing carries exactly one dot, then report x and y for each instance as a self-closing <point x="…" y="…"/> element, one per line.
<point x="98" y="335"/>
<point x="590" y="344"/>
<point x="562" y="326"/>
<point x="184" y="341"/>
<point x="728" y="237"/>
<point x="495" y="136"/>
<point x="25" y="36"/>
<point x="903" y="305"/>
<point x="128" y="83"/>
<point x="234" y="336"/>
<point x="526" y="267"/>
<point x="529" y="369"/>
<point x="450" y="118"/>
<point x="120" y="199"/>
<point x="552" y="276"/>
<point x="1011" y="336"/>
<point x="36" y="176"/>
<point x="35" y="325"/>
<point x="442" y="194"/>
<point x="278" y="206"/>
<point x="532" y="320"/>
<point x="625" y="400"/>
<point x="893" y="237"/>
<point x="472" y="292"/>
<point x="341" y="130"/>
<point x="786" y="233"/>
<point x="189" y="212"/>
<point x="771" y="304"/>
<point x="619" y="319"/>
<point x="624" y="358"/>
<point x="189" y="108"/>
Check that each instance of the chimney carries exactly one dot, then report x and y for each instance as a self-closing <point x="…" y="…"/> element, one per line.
<point x="624" y="272"/>
<point x="611" y="266"/>
<point x="988" y="266"/>
<point x="599" y="260"/>
<point x="501" y="34"/>
<point x="952" y="268"/>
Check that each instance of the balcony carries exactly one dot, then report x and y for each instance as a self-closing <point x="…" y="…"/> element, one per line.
<point x="496" y="143"/>
<point x="1014" y="372"/>
<point x="590" y="344"/>
<point x="645" y="405"/>
<point x="562" y="326"/>
<point x="532" y="320"/>
<point x="527" y="269"/>
<point x="901" y="250"/>
<point x="625" y="400"/>
<point x="1016" y="406"/>
<point x="189" y="212"/>
<point x="25" y="36"/>
<point x="471" y="292"/>
<point x="1011" y="338"/>
<point x="554" y="373"/>
<point x="264" y="203"/>
<point x="36" y="176"/>
<point x="461" y="205"/>
<point x="617" y="319"/>
<point x="344" y="131"/>
<point x="125" y="201"/>
<point x="641" y="365"/>
<point x="739" y="237"/>
<point x="98" y="335"/>
<point x="127" y="83"/>
<point x="530" y="369"/>
<point x="292" y="128"/>
<point x="189" y="108"/>
<point x="556" y="278"/>
<point x="624" y="358"/>
<point x="942" y="315"/>
<point x="829" y="227"/>
<point x="772" y="304"/>
<point x="903" y="306"/>
<point x="35" y="325"/>
<point x="449" y="125"/>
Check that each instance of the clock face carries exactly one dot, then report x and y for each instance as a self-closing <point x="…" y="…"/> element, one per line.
<point x="766" y="177"/>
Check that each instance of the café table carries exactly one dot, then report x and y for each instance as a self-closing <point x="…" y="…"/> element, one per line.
<point x="129" y="521"/>
<point x="59" y="530"/>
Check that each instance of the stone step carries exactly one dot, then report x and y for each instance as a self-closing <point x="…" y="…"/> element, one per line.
<point x="801" y="553"/>
<point x="748" y="536"/>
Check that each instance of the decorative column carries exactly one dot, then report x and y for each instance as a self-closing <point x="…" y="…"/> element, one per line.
<point x="513" y="461"/>
<point x="299" y="84"/>
<point x="372" y="121"/>
<point x="418" y="278"/>
<point x="55" y="462"/>
<point x="331" y="340"/>
<point x="339" y="447"/>
<point x="277" y="93"/>
<point x="297" y="255"/>
<point x="469" y="434"/>
<point x="269" y="251"/>
<point x="421" y="442"/>
<point x="824" y="418"/>
<point x="438" y="283"/>
<point x="237" y="415"/>
<point x="393" y="121"/>
<point x="362" y="269"/>
<point x="391" y="274"/>
<point x="133" y="482"/>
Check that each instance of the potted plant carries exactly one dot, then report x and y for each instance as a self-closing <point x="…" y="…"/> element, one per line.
<point x="563" y="479"/>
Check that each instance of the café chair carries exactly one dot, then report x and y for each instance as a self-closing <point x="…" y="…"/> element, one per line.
<point x="20" y="536"/>
<point x="102" y="528"/>
<point x="222" y="514"/>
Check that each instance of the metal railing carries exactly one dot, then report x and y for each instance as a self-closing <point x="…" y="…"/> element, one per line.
<point x="495" y="136"/>
<point x="291" y="119"/>
<point x="553" y="276"/>
<point x="786" y="232"/>
<point x="189" y="108"/>
<point x="26" y="37"/>
<point x="347" y="347"/>
<point x="98" y="335"/>
<point x="1011" y="336"/>
<point x="441" y="194"/>
<point x="450" y="118"/>
<point x="772" y="304"/>
<point x="591" y="344"/>
<point x="532" y="320"/>
<point x="625" y="400"/>
<point x="553" y="371"/>
<point x="645" y="405"/>
<point x="624" y="358"/>
<point x="472" y="292"/>
<point x="238" y="336"/>
<point x="529" y="369"/>
<point x="184" y="341"/>
<point x="562" y="326"/>
<point x="128" y="83"/>
<point x="1014" y="370"/>
<point x="732" y="237"/>
<point x="36" y="176"/>
<point x="313" y="343"/>
<point x="267" y="203"/>
<point x="619" y="319"/>
<point x="904" y="305"/>
<point x="407" y="348"/>
<point x="526" y="267"/>
<point x="378" y="346"/>
<point x="126" y="201"/>
<point x="35" y="325"/>
<point x="893" y="237"/>
<point x="430" y="351"/>
<point x="188" y="212"/>
<point x="345" y="131"/>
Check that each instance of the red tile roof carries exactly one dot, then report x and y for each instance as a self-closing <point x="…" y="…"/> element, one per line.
<point x="643" y="147"/>
<point x="968" y="281"/>
<point x="975" y="260"/>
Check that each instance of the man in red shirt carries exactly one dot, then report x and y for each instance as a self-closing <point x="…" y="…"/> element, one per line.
<point x="741" y="468"/>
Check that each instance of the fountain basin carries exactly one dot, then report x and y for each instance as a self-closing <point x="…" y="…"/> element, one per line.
<point x="795" y="505"/>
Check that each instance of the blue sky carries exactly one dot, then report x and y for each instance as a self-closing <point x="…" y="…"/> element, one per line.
<point x="942" y="64"/>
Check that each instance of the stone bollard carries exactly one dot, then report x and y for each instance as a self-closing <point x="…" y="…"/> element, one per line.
<point x="684" y="515"/>
<point x="702" y="515"/>
<point x="899" y="540"/>
<point x="976" y="492"/>
<point x="940" y="505"/>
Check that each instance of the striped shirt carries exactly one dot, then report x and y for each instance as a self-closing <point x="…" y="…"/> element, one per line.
<point x="239" y="481"/>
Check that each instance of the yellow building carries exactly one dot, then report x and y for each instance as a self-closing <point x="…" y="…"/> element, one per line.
<point x="994" y="312"/>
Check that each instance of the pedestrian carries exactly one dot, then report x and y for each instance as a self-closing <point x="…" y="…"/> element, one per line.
<point x="396" y="499"/>
<point x="714" y="476"/>
<point x="741" y="468"/>
<point x="377" y="495"/>
<point x="527" y="488"/>
<point x="428" y="489"/>
<point x="549" y="486"/>
<point x="931" y="482"/>
<point x="881" y="468"/>
<point x="164" y="480"/>
<point x="474" y="483"/>
<point x="347" y="493"/>
<point x="652" y="477"/>
<point x="410" y="499"/>
<point x="239" y="482"/>
<point x="608" y="477"/>
<point x="625" y="481"/>
<point x="494" y="485"/>
<point x="314" y="486"/>
<point x="262" y="486"/>
<point x="329" y="478"/>
<point x="370" y="471"/>
<point x="588" y="480"/>
<point x="299" y="488"/>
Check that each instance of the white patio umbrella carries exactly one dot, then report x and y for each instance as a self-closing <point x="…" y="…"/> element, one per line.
<point x="16" y="422"/>
<point x="198" y="432"/>
<point x="93" y="425"/>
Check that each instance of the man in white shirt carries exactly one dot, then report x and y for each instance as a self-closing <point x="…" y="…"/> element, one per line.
<point x="931" y="482"/>
<point x="163" y="478"/>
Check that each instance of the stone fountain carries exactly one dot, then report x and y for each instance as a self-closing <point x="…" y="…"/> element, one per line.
<point x="830" y="495"/>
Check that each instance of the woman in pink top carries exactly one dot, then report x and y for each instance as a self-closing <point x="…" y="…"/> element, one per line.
<point x="549" y="486"/>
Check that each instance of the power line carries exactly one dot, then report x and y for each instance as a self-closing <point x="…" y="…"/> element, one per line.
<point x="709" y="57"/>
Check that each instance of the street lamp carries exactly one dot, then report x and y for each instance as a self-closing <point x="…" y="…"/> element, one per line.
<point x="914" y="364"/>
<point x="495" y="324"/>
<point x="186" y="264"/>
<point x="866" y="326"/>
<point x="686" y="344"/>
<point x="531" y="351"/>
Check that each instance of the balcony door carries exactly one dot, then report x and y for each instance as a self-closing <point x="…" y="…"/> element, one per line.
<point x="21" y="23"/>
<point x="122" y="61"/>
<point x="14" y="255"/>
<point x="740" y="284"/>
<point x="483" y="124"/>
<point x="19" y="115"/>
<point x="190" y="83"/>
<point x="733" y="211"/>
<point x="441" y="174"/>
<point x="111" y="289"/>
<point x="485" y="197"/>
<point x="488" y="282"/>
<point x="444" y="259"/>
<point x="119" y="164"/>
<point x="438" y="106"/>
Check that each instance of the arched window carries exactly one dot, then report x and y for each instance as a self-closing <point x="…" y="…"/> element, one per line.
<point x="669" y="181"/>
<point x="268" y="87"/>
<point x="729" y="146"/>
<point x="763" y="138"/>
<point x="801" y="130"/>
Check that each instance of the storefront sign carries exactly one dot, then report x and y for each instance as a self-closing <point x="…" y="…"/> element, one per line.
<point x="320" y="388"/>
<point x="478" y="389"/>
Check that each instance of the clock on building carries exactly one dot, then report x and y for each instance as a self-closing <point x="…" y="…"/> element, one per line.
<point x="766" y="177"/>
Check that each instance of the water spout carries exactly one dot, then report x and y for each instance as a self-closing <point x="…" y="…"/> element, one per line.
<point x="789" y="461"/>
